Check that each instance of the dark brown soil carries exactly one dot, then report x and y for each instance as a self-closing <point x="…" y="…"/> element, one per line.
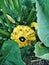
<point x="37" y="61"/>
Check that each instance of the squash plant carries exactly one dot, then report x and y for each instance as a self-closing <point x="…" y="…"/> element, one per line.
<point x="12" y="14"/>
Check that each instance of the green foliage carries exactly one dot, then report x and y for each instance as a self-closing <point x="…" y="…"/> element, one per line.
<point x="42" y="7"/>
<point x="10" y="54"/>
<point x="41" y="51"/>
<point x="43" y="25"/>
<point x="22" y="11"/>
<point x="45" y="6"/>
<point x="27" y="51"/>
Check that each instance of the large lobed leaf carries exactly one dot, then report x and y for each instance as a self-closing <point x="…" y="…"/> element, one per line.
<point x="45" y="6"/>
<point x="42" y="7"/>
<point x="11" y="54"/>
<point x="43" y="22"/>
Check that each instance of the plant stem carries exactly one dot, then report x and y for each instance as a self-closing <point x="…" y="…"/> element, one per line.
<point x="4" y="33"/>
<point x="3" y="6"/>
<point x="2" y="23"/>
<point x="15" y="2"/>
<point x="30" y="16"/>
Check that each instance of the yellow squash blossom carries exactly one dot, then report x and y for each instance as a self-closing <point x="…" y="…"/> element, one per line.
<point x="23" y="35"/>
<point x="35" y="25"/>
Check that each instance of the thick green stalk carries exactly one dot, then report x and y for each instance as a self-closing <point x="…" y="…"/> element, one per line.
<point x="15" y="2"/>
<point x="20" y="9"/>
<point x="4" y="33"/>
<point x="6" y="3"/>
<point x="17" y="6"/>
<point x="11" y="4"/>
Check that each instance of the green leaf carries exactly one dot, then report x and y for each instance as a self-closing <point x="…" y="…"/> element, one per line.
<point x="45" y="56"/>
<point x="41" y="51"/>
<point x="4" y="33"/>
<point x="43" y="23"/>
<point x="11" y="52"/>
<point x="45" y="6"/>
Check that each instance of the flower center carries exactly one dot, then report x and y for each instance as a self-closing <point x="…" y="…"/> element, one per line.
<point x="22" y="39"/>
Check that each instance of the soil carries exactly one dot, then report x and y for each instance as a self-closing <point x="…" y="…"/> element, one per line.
<point x="37" y="61"/>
